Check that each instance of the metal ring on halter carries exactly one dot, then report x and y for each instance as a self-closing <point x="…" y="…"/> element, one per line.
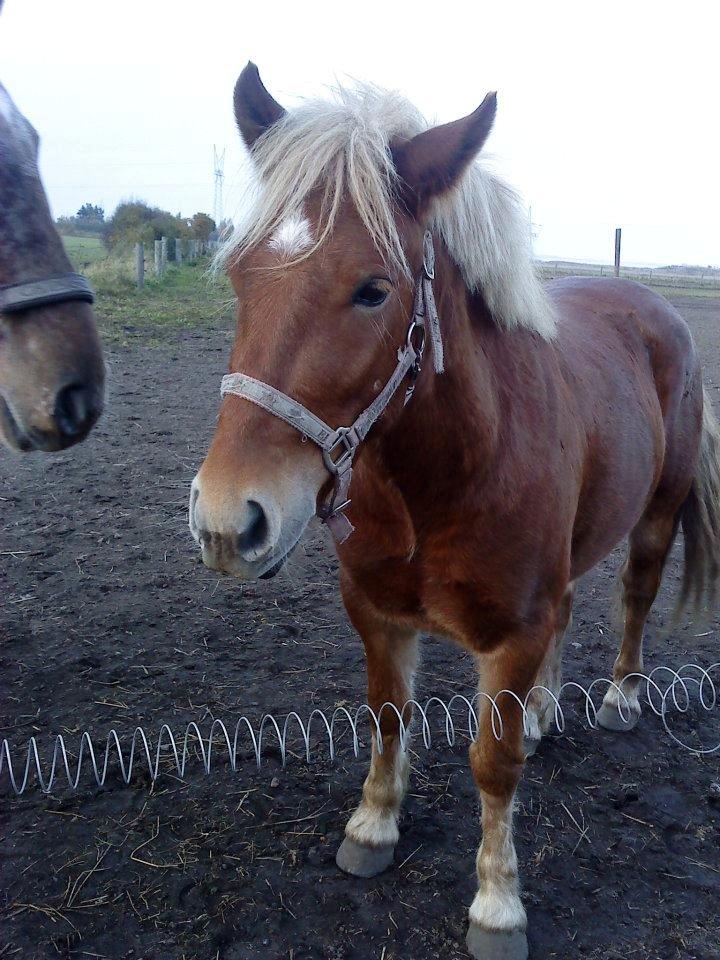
<point x="419" y="348"/>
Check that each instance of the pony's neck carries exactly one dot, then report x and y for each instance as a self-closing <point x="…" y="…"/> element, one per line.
<point x="447" y="435"/>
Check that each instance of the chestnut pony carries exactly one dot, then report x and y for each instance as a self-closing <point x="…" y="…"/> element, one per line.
<point x="51" y="367"/>
<point x="546" y="425"/>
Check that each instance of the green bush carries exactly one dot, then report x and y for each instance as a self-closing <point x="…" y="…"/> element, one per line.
<point x="135" y="221"/>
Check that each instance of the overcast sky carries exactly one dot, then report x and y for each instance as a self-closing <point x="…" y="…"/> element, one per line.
<point x="608" y="113"/>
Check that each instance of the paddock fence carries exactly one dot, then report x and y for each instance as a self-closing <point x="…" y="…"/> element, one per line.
<point x="156" y="256"/>
<point x="694" y="279"/>
<point x="665" y="691"/>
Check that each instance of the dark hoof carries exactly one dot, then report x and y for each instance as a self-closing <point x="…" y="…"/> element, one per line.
<point x="496" y="944"/>
<point x="362" y="861"/>
<point x="610" y="718"/>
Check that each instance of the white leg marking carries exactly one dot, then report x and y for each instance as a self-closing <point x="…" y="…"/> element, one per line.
<point x="497" y="904"/>
<point x="375" y="821"/>
<point x="627" y="701"/>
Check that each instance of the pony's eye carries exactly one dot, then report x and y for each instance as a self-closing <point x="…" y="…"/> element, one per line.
<point x="372" y="293"/>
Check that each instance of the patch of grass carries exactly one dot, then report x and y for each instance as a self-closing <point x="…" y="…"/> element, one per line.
<point x="84" y="250"/>
<point x="111" y="277"/>
<point x="186" y="298"/>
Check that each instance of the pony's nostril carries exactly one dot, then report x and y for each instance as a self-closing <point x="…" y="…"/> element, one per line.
<point x="253" y="540"/>
<point x="76" y="409"/>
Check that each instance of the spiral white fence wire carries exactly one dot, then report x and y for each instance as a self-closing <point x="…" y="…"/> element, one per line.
<point x="665" y="689"/>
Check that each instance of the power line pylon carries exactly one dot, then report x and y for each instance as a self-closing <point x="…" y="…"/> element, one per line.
<point x="218" y="168"/>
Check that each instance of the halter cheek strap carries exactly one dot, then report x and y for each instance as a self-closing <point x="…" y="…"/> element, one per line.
<point x="340" y="445"/>
<point x="18" y="297"/>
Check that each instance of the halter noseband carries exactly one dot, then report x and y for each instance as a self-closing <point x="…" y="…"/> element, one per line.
<point x="339" y="446"/>
<point x="18" y="297"/>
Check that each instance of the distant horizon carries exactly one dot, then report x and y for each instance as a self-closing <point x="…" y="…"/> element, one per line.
<point x="543" y="256"/>
<point x="552" y="258"/>
<point x="594" y="135"/>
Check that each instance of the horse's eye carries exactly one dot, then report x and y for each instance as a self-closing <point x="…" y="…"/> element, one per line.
<point x="373" y="293"/>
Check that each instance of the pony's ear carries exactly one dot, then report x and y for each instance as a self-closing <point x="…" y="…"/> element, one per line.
<point x="434" y="160"/>
<point x="255" y="109"/>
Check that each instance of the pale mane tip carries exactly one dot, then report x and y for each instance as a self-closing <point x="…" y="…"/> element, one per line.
<point x="342" y="147"/>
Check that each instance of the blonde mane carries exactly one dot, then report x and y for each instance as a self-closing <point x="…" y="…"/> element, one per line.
<point x="341" y="147"/>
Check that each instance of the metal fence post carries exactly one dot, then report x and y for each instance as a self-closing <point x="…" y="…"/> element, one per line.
<point x="618" y="238"/>
<point x="140" y="265"/>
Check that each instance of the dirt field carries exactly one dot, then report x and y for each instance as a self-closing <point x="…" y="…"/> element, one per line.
<point x="107" y="620"/>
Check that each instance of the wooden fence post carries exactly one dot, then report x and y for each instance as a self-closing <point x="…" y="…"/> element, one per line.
<point x="618" y="238"/>
<point x="164" y="254"/>
<point x="158" y="258"/>
<point x="178" y="250"/>
<point x="140" y="265"/>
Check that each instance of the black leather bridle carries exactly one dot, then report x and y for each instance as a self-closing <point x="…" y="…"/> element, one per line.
<point x="66" y="287"/>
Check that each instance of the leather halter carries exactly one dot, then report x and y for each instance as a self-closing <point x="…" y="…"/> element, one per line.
<point x="18" y="297"/>
<point x="339" y="446"/>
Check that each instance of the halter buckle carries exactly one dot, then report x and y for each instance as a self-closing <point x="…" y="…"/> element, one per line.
<point x="346" y="442"/>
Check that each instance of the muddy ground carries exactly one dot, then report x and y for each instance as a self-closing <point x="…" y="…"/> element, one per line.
<point x="107" y="620"/>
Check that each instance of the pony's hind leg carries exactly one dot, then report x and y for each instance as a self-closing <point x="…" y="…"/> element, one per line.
<point x="540" y="705"/>
<point x="649" y="545"/>
<point x="372" y="831"/>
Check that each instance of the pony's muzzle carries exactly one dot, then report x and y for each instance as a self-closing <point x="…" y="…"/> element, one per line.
<point x="241" y="539"/>
<point x="65" y="420"/>
<point x="77" y="408"/>
<point x="52" y="377"/>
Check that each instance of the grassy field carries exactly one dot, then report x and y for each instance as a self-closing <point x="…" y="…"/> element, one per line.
<point x="187" y="297"/>
<point x="84" y="250"/>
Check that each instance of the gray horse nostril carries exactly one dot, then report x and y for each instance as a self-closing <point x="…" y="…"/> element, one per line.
<point x="76" y="409"/>
<point x="255" y="535"/>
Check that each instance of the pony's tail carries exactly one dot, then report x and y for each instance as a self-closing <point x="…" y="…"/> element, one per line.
<point x="700" y="518"/>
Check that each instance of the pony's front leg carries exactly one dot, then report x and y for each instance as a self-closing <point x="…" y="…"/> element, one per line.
<point x="372" y="831"/>
<point x="497" y="916"/>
